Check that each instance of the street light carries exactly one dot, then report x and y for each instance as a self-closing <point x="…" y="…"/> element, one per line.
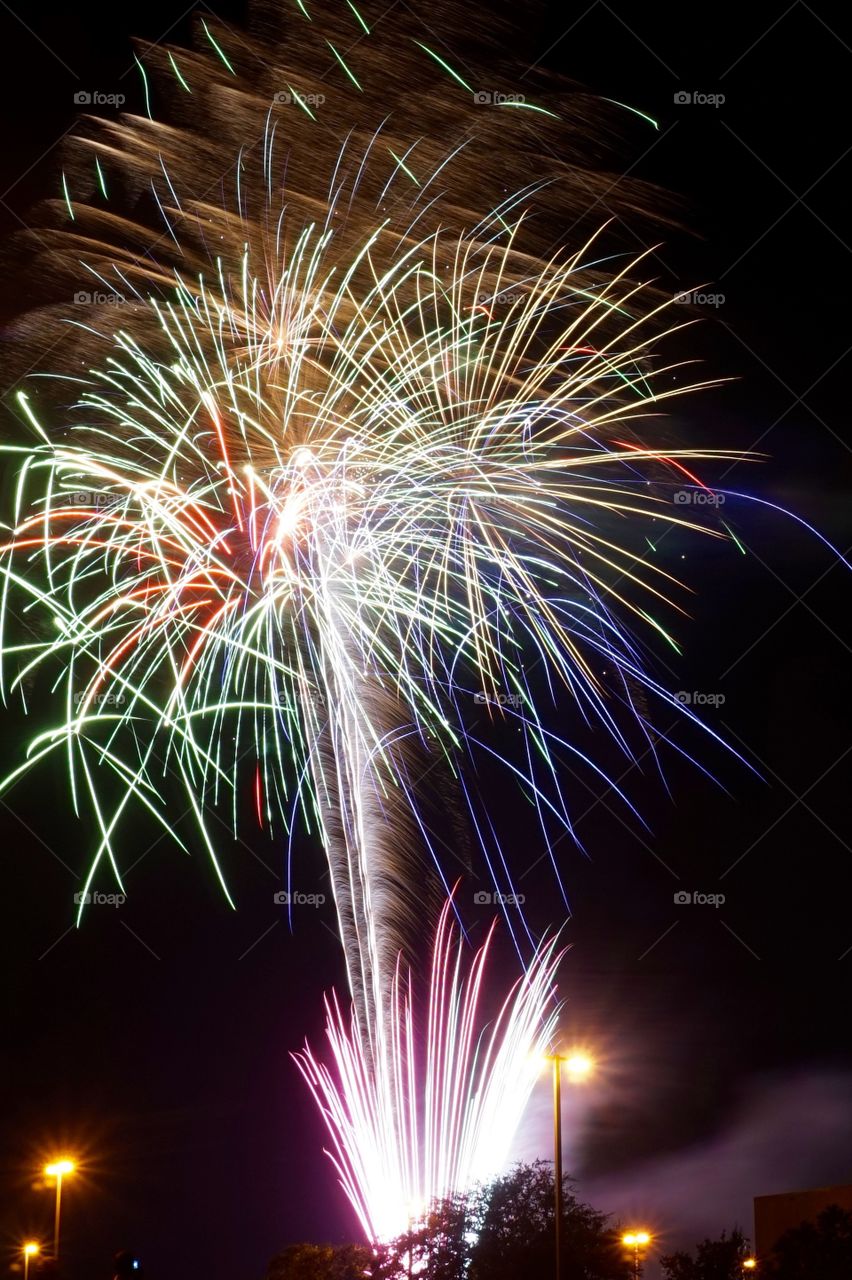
<point x="579" y="1066"/>
<point x="749" y="1264"/>
<point x="636" y="1240"/>
<point x="58" y="1169"/>
<point x="30" y="1250"/>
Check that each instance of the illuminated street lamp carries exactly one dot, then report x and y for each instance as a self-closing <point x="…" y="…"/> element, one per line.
<point x="636" y="1240"/>
<point x="58" y="1169"/>
<point x="30" y="1250"/>
<point x="579" y="1066"/>
<point x="749" y="1264"/>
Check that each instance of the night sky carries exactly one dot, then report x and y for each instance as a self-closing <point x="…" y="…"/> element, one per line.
<point x="154" y="1041"/>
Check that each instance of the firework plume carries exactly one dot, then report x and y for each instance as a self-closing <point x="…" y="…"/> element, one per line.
<point x="404" y="1140"/>
<point x="357" y="432"/>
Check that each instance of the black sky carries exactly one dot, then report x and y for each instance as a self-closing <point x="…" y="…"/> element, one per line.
<point x="156" y="1040"/>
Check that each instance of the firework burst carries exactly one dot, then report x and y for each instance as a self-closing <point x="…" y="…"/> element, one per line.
<point x="232" y="561"/>
<point x="345" y="451"/>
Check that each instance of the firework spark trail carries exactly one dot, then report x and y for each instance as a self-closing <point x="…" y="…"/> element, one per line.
<point x="404" y="1140"/>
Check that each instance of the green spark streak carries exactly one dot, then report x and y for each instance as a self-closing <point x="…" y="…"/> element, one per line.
<point x="67" y="197"/>
<point x="445" y="65"/>
<point x="101" y="179"/>
<point x="358" y="16"/>
<point x="217" y="47"/>
<point x="652" y="622"/>
<point x="634" y="111"/>
<point x="23" y="400"/>
<point x="304" y="10"/>
<point x="404" y="167"/>
<point x="735" y="538"/>
<point x="299" y="100"/>
<point x="344" y="66"/>
<point x="177" y="72"/>
<point x="145" y="87"/>
<point x="529" y="106"/>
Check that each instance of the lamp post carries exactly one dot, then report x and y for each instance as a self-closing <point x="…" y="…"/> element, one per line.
<point x="579" y="1067"/>
<point x="58" y="1169"/>
<point x="557" y="1160"/>
<point x="636" y="1240"/>
<point x="30" y="1250"/>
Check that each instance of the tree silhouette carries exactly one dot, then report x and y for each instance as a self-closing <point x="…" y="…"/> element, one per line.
<point x="516" y="1232"/>
<point x="321" y="1262"/>
<point x="505" y="1231"/>
<point x="820" y="1250"/>
<point x="720" y="1259"/>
